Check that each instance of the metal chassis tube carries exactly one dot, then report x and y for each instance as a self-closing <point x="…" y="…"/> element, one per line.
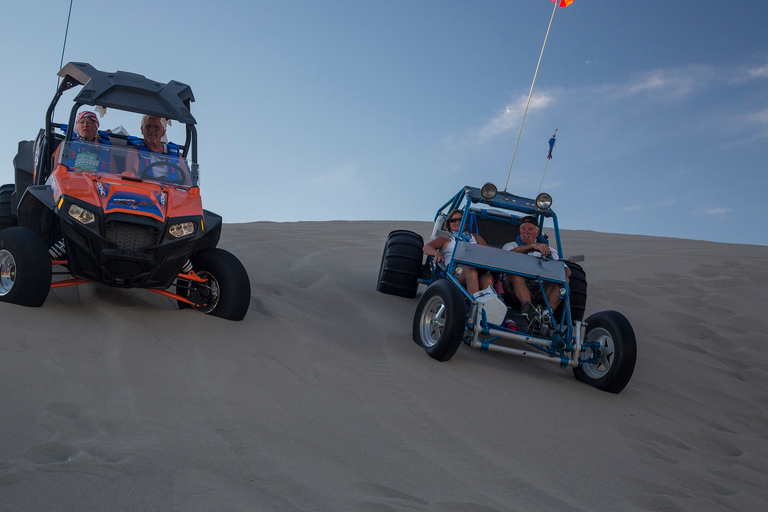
<point x="190" y="276"/>
<point x="524" y="338"/>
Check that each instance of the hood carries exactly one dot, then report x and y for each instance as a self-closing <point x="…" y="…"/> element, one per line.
<point x="128" y="198"/>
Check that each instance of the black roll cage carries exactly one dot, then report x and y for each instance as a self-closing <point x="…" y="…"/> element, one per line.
<point x="121" y="90"/>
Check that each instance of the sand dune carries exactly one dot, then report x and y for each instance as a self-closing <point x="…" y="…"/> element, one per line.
<point x="319" y="400"/>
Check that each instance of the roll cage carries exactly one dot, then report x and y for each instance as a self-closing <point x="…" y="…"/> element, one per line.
<point x="498" y="220"/>
<point x="120" y="90"/>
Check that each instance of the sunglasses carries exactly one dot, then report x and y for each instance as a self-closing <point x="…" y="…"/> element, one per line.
<point x="454" y="220"/>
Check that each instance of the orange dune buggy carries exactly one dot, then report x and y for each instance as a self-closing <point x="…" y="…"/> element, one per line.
<point x="85" y="209"/>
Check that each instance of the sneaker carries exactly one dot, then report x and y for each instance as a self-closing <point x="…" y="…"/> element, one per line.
<point x="529" y="310"/>
<point x="547" y="320"/>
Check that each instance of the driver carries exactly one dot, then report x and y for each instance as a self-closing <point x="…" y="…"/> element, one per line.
<point x="153" y="149"/>
<point x="528" y="290"/>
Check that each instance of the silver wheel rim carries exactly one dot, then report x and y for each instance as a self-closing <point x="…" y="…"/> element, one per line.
<point x="213" y="286"/>
<point x="7" y="272"/>
<point x="604" y="362"/>
<point x="432" y="321"/>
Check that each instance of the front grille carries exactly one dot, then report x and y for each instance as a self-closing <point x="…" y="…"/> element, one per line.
<point x="131" y="237"/>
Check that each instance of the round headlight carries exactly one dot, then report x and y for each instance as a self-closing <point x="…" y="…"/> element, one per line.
<point x="543" y="201"/>
<point x="488" y="191"/>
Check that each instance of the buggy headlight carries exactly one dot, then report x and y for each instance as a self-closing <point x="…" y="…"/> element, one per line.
<point x="488" y="191"/>
<point x="81" y="214"/>
<point x="543" y="201"/>
<point x="182" y="229"/>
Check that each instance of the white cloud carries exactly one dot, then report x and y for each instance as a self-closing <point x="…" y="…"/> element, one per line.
<point x="511" y="116"/>
<point x="716" y="211"/>
<point x="632" y="208"/>
<point x="760" y="118"/>
<point x="761" y="71"/>
<point x="660" y="84"/>
<point x="339" y="176"/>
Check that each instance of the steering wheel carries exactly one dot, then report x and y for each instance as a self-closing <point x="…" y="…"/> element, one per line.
<point x="179" y="181"/>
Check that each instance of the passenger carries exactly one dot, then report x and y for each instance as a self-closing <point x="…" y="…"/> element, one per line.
<point x="86" y="157"/>
<point x="152" y="149"/>
<point x="441" y="250"/>
<point x="528" y="291"/>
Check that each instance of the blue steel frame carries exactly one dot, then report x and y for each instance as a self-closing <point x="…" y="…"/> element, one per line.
<point x="496" y="260"/>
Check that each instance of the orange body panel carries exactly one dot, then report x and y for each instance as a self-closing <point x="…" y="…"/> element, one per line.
<point x="111" y="193"/>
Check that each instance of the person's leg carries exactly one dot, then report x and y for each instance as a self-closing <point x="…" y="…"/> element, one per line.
<point x="469" y="279"/>
<point x="553" y="291"/>
<point x="520" y="289"/>
<point x="553" y="295"/>
<point x="486" y="280"/>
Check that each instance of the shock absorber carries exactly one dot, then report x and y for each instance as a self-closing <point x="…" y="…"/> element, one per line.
<point x="58" y="250"/>
<point x="187" y="268"/>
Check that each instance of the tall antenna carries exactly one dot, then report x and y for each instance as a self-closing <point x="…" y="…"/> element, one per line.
<point x="66" y="32"/>
<point x="557" y="3"/>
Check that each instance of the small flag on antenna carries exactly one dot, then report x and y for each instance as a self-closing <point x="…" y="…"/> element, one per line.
<point x="564" y="3"/>
<point x="552" y="142"/>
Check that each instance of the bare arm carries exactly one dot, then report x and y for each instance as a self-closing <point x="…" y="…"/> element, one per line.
<point x="542" y="248"/>
<point x="433" y="248"/>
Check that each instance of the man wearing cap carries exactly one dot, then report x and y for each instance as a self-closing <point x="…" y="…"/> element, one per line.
<point x="527" y="290"/>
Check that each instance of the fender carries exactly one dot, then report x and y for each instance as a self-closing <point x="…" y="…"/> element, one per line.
<point x="37" y="210"/>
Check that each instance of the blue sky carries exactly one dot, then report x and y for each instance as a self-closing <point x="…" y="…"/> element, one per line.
<point x="358" y="110"/>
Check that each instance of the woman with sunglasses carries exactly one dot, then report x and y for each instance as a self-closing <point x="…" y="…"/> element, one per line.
<point x="441" y="250"/>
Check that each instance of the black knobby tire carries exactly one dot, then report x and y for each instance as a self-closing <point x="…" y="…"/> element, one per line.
<point x="578" y="291"/>
<point x="227" y="294"/>
<point x="618" y="352"/>
<point x="25" y="267"/>
<point x="401" y="264"/>
<point x="440" y="318"/>
<point x="7" y="218"/>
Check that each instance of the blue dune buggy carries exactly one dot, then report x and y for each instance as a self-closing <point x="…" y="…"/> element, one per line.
<point x="601" y="350"/>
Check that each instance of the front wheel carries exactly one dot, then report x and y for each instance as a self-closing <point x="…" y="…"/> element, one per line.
<point x="226" y="293"/>
<point x="25" y="267"/>
<point x="438" y="324"/>
<point x="613" y="360"/>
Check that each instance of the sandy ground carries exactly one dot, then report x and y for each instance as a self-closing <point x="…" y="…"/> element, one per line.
<point x="114" y="400"/>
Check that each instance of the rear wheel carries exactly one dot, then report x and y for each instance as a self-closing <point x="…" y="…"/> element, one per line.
<point x="577" y="285"/>
<point x="438" y="324"/>
<point x="614" y="359"/>
<point x="401" y="264"/>
<point x="25" y="267"/>
<point x="227" y="290"/>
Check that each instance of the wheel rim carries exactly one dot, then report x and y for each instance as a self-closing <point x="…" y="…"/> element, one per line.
<point x="7" y="272"/>
<point x="432" y="322"/>
<point x="604" y="362"/>
<point x="213" y="291"/>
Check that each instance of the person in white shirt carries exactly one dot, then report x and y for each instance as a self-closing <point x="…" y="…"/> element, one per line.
<point x="528" y="290"/>
<point x="441" y="250"/>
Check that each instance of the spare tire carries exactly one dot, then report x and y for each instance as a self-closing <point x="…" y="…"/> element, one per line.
<point x="401" y="264"/>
